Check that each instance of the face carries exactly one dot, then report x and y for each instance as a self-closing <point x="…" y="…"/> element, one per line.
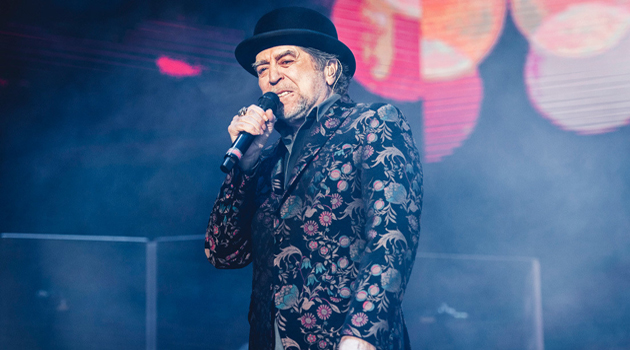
<point x="290" y="72"/>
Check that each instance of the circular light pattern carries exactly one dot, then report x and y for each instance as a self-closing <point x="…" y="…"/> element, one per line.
<point x="587" y="95"/>
<point x="572" y="28"/>
<point x="584" y="29"/>
<point x="441" y="61"/>
<point x="412" y="8"/>
<point x="457" y="35"/>
<point x="451" y="109"/>
<point x="386" y="45"/>
<point x="391" y="44"/>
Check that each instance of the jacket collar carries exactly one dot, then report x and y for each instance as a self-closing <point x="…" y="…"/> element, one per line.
<point x="287" y="134"/>
<point x="320" y="133"/>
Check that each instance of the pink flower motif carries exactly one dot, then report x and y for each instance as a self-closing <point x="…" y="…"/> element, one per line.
<point x="343" y="262"/>
<point x="345" y="292"/>
<point x="374" y="123"/>
<point x="322" y="344"/>
<point x="325" y="218"/>
<point x="323" y="250"/>
<point x="310" y="227"/>
<point x="342" y="185"/>
<point x="336" y="200"/>
<point x="332" y="122"/>
<point x="324" y="312"/>
<point x="311" y="338"/>
<point x="368" y="306"/>
<point x="367" y="152"/>
<point x="344" y="241"/>
<point x="312" y="245"/>
<point x="211" y="243"/>
<point x="308" y="320"/>
<point x="359" y="320"/>
<point x="335" y="175"/>
<point x="373" y="290"/>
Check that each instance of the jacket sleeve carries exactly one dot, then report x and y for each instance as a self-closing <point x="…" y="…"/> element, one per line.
<point x="228" y="242"/>
<point x="392" y="192"/>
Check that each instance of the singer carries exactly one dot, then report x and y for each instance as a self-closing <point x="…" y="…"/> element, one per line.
<point x="330" y="213"/>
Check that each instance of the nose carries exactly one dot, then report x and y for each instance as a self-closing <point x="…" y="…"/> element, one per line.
<point x="274" y="74"/>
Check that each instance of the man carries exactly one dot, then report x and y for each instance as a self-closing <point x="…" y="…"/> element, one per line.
<point x="329" y="214"/>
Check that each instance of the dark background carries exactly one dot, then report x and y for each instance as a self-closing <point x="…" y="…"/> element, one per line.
<point x="99" y="143"/>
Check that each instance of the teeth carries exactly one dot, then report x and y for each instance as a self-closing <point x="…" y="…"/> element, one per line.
<point x="284" y="93"/>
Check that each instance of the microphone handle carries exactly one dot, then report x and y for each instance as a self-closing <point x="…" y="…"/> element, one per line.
<point x="234" y="154"/>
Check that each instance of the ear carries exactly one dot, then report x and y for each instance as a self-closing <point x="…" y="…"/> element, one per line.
<point x="330" y="72"/>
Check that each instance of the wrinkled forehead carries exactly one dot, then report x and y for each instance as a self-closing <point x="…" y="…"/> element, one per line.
<point x="276" y="52"/>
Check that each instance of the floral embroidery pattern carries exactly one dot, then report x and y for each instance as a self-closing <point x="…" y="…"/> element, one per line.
<point x="325" y="218"/>
<point x="324" y="311"/>
<point x="308" y="320"/>
<point x="336" y="200"/>
<point x="359" y="320"/>
<point x="332" y="254"/>
<point x="310" y="228"/>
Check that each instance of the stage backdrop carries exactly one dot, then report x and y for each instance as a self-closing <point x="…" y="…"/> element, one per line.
<point x="113" y="121"/>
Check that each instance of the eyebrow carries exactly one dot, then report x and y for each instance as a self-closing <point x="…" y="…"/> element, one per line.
<point x="286" y="52"/>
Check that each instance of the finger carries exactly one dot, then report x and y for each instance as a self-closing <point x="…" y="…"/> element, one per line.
<point x="244" y="126"/>
<point x="255" y="120"/>
<point x="270" y="117"/>
<point x="258" y="112"/>
<point x="258" y="115"/>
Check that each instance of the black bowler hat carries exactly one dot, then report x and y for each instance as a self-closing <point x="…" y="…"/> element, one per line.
<point x="293" y="26"/>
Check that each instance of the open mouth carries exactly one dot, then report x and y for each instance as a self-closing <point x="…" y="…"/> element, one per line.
<point x="284" y="93"/>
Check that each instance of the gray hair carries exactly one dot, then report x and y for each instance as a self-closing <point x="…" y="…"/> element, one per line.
<point x="321" y="60"/>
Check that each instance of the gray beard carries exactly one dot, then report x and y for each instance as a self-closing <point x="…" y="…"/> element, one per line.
<point x="297" y="116"/>
<point x="298" y="113"/>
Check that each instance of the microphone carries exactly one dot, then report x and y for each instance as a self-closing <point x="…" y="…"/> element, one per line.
<point x="233" y="155"/>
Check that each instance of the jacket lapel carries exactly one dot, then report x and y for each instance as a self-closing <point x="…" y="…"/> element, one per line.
<point x="321" y="132"/>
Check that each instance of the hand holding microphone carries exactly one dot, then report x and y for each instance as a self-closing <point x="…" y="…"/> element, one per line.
<point x="249" y="132"/>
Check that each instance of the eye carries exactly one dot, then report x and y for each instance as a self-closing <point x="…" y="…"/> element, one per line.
<point x="286" y="61"/>
<point x="261" y="70"/>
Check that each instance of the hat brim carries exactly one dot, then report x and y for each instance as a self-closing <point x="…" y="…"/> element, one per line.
<point x="247" y="50"/>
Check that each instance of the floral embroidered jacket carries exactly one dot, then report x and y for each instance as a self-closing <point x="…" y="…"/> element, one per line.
<point x="332" y="252"/>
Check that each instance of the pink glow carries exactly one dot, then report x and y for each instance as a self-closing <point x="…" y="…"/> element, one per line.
<point x="457" y="35"/>
<point x="586" y="95"/>
<point x="392" y="62"/>
<point x="572" y="28"/>
<point x="177" y="68"/>
<point x="386" y="45"/>
<point x="451" y="109"/>
<point x="582" y="30"/>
